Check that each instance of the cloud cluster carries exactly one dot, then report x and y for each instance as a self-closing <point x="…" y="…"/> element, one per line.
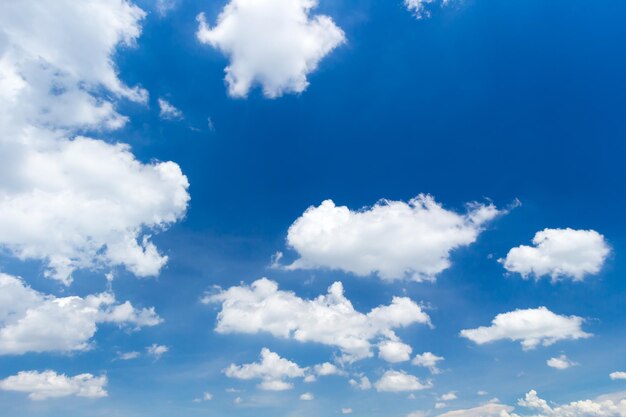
<point x="73" y="201"/>
<point x="274" y="43"/>
<point x="392" y="239"/>
<point x="560" y="254"/>
<point x="531" y="327"/>
<point x="328" y="319"/>
<point x="49" y="384"/>
<point x="272" y="370"/>
<point x="33" y="322"/>
<point x="399" y="381"/>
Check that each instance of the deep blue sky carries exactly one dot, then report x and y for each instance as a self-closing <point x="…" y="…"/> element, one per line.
<point x="491" y="99"/>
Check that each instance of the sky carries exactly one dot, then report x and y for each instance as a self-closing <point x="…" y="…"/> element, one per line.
<point x="408" y="208"/>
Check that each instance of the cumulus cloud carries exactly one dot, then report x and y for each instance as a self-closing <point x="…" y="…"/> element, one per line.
<point x="560" y="254"/>
<point x="485" y="410"/>
<point x="392" y="239"/>
<point x="328" y="319"/>
<point x="307" y="396"/>
<point x="617" y="375"/>
<point x="272" y="370"/>
<point x="448" y="396"/>
<point x="531" y="327"/>
<point x="167" y="110"/>
<point x="612" y="405"/>
<point x="49" y="384"/>
<point x="396" y="381"/>
<point x="394" y="351"/>
<point x="34" y="322"/>
<point x="75" y="202"/>
<point x="363" y="383"/>
<point x="273" y="43"/>
<point x="561" y="362"/>
<point x="428" y="360"/>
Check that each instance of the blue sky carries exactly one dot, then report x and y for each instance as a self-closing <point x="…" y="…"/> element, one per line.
<point x="507" y="114"/>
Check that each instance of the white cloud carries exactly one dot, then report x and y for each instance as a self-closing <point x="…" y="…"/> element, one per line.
<point x="49" y="384"/>
<point x="428" y="360"/>
<point x="346" y="411"/>
<point x="327" y="369"/>
<point x="127" y="356"/>
<point x="75" y="202"/>
<point x="157" y="351"/>
<point x="603" y="406"/>
<point x="417" y="413"/>
<point x="328" y="319"/>
<point x="163" y="7"/>
<point x="531" y="327"/>
<point x="440" y="405"/>
<point x="396" y="381"/>
<point x="392" y="239"/>
<point x="485" y="410"/>
<point x="617" y="375"/>
<point x="448" y="396"/>
<point x="167" y="111"/>
<point x="274" y="43"/>
<point x="34" y="322"/>
<point x="207" y="396"/>
<point x="560" y="254"/>
<point x="394" y="351"/>
<point x="561" y="362"/>
<point x="307" y="396"/>
<point x="272" y="370"/>
<point x="363" y="383"/>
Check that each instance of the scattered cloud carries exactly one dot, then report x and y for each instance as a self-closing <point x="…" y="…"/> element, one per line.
<point x="207" y="396"/>
<point x="34" y="322"/>
<point x="392" y="239"/>
<point x="428" y="360"/>
<point x="273" y="43"/>
<point x="167" y="110"/>
<point x="394" y="351"/>
<point x="531" y="327"/>
<point x="397" y="381"/>
<point x="156" y="351"/>
<point x="272" y="370"/>
<point x="127" y="356"/>
<point x="560" y="254"/>
<point x="346" y="411"/>
<point x="561" y="362"/>
<point x="448" y="396"/>
<point x="328" y="319"/>
<point x="164" y="7"/>
<point x="49" y="384"/>
<point x="617" y="375"/>
<point x="307" y="396"/>
<point x="363" y="383"/>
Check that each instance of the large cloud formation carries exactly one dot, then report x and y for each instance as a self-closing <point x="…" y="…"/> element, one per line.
<point x="34" y="322"/>
<point x="275" y="43"/>
<point x="49" y="384"/>
<point x="560" y="254"/>
<point x="531" y="327"/>
<point x="74" y="201"/>
<point x="392" y="239"/>
<point x="328" y="319"/>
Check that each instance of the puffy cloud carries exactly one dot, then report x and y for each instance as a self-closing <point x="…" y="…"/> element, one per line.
<point x="75" y="202"/>
<point x="396" y="381"/>
<point x="167" y="110"/>
<point x="561" y="362"/>
<point x="428" y="360"/>
<point x="603" y="406"/>
<point x="394" y="351"/>
<point x="448" y="396"/>
<point x="274" y="43"/>
<point x="328" y="319"/>
<point x="49" y="384"/>
<point x="157" y="351"/>
<point x="560" y="254"/>
<point x="485" y="410"/>
<point x="34" y="322"/>
<point x="272" y="370"/>
<point x="617" y="375"/>
<point x="392" y="239"/>
<point x="307" y="396"/>
<point x="363" y="383"/>
<point x="326" y="369"/>
<point x="531" y="327"/>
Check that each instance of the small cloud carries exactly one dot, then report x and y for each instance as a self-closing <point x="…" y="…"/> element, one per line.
<point x="126" y="356"/>
<point x="237" y="400"/>
<point x="163" y="7"/>
<point x="448" y="396"/>
<point x="439" y="406"/>
<point x="307" y="396"/>
<point x="617" y="375"/>
<point x="157" y="351"/>
<point x="560" y="363"/>
<point x="482" y="393"/>
<point x="363" y="383"/>
<point x="168" y="111"/>
<point x="207" y="396"/>
<point x="346" y="411"/>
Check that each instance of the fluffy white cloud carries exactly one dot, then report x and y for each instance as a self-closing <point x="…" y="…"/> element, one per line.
<point x="157" y="351"/>
<point x="485" y="410"/>
<point x="328" y="319"/>
<point x="34" y="322"/>
<point x="428" y="360"/>
<point x="617" y="375"/>
<point x="560" y="254"/>
<point x="167" y="110"/>
<point x="396" y="381"/>
<point x="274" y="43"/>
<point x="307" y="396"/>
<point x="394" y="351"/>
<point x="531" y="327"/>
<point x="392" y="239"/>
<point x="75" y="202"/>
<point x="49" y="384"/>
<point x="561" y="362"/>
<point x="272" y="370"/>
<point x="448" y="396"/>
<point x="604" y="406"/>
<point x="363" y="383"/>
